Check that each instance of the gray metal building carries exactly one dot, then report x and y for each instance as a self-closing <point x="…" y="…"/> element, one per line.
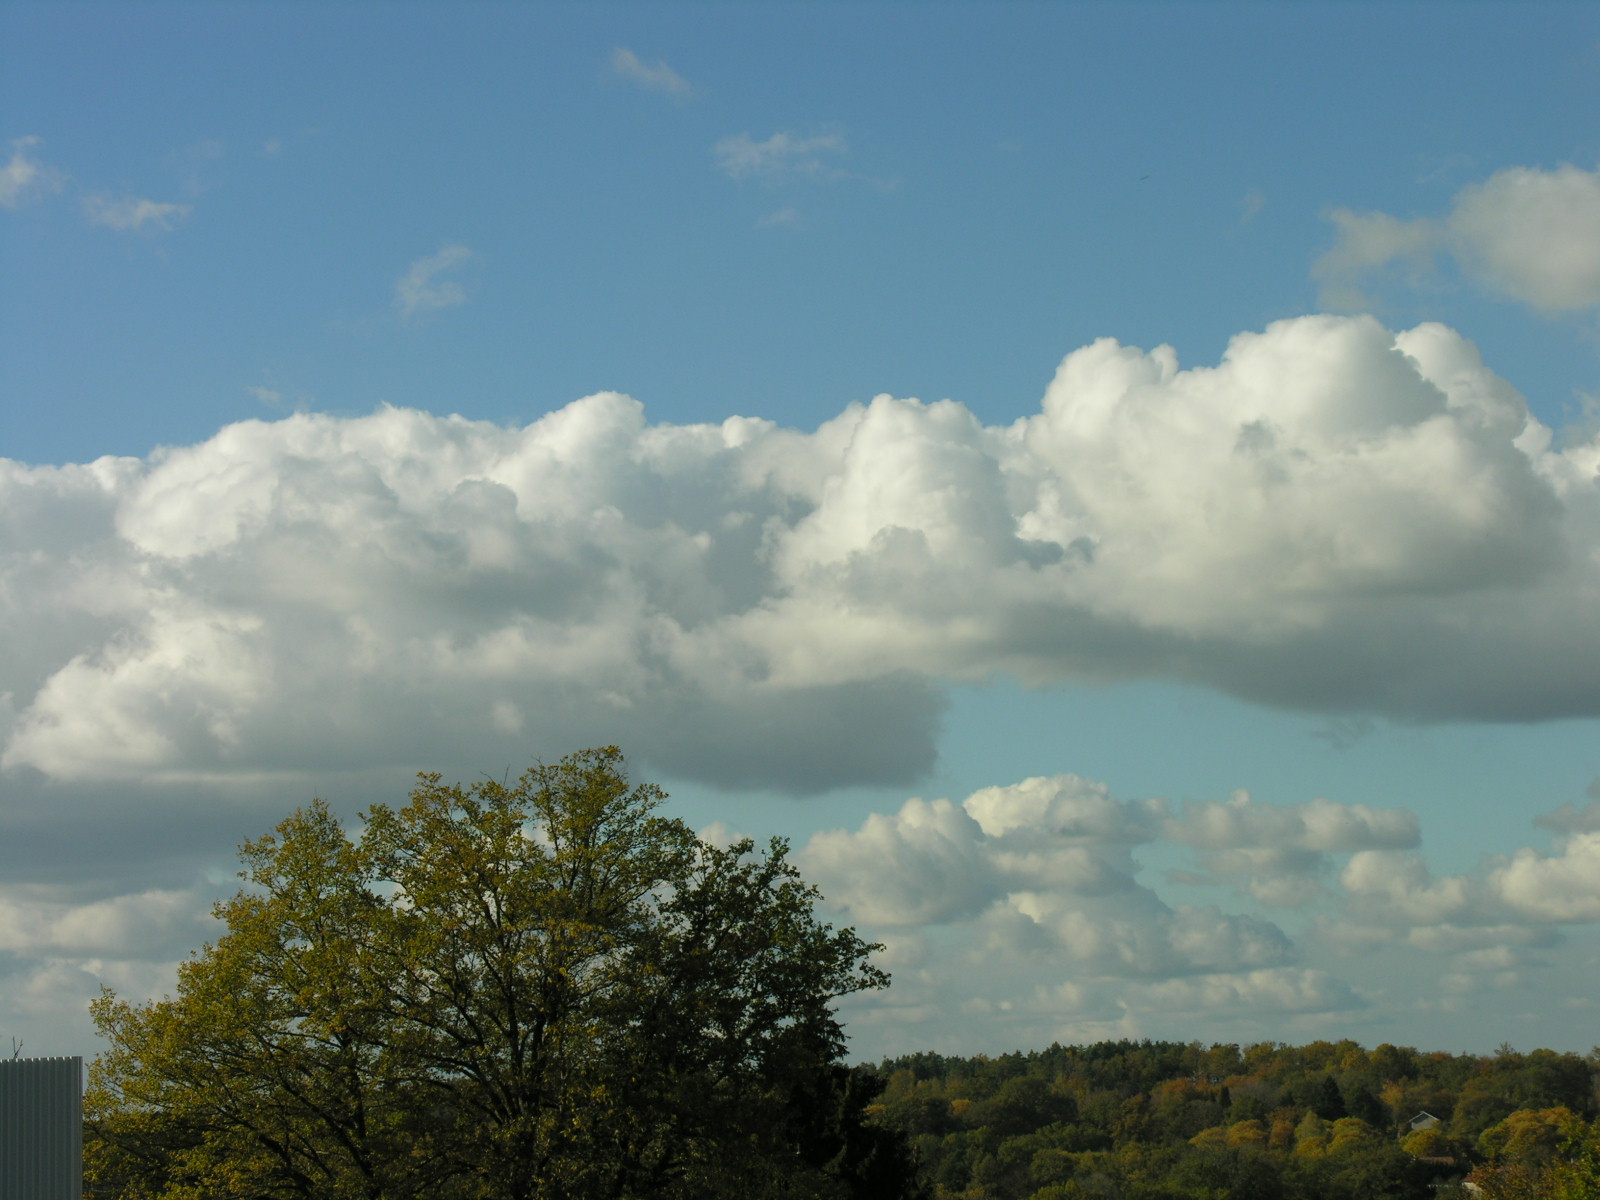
<point x="41" y="1129"/>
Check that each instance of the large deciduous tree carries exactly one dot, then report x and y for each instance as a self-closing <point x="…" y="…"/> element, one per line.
<point x="546" y="990"/>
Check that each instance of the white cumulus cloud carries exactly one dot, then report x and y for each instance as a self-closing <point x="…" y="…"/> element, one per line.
<point x="1335" y="518"/>
<point x="1026" y="904"/>
<point x="925" y="864"/>
<point x="1281" y="854"/>
<point x="1562" y="887"/>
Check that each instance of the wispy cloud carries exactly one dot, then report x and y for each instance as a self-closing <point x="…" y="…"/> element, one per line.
<point x="134" y="213"/>
<point x="24" y="179"/>
<point x="1526" y="234"/>
<point x="422" y="290"/>
<point x="784" y="154"/>
<point x="654" y="77"/>
<point x="1252" y="204"/>
<point x="787" y="215"/>
<point x="198" y="163"/>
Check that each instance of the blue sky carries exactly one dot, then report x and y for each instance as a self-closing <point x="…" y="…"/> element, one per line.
<point x="399" y="387"/>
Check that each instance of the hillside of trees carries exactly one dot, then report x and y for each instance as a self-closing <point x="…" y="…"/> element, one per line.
<point x="1173" y="1121"/>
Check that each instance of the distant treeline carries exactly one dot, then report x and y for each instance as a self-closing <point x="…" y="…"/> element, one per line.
<point x="1171" y="1121"/>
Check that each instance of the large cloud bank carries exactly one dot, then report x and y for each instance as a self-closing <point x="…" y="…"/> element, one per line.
<point x="1336" y="518"/>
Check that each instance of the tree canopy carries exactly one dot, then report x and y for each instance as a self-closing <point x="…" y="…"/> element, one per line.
<point x="499" y="992"/>
<point x="1182" y="1121"/>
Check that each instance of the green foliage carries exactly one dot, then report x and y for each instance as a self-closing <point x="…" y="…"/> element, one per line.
<point x="1527" y="1135"/>
<point x="499" y="993"/>
<point x="1163" y="1121"/>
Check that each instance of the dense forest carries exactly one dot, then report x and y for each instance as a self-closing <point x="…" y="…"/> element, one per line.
<point x="1173" y="1121"/>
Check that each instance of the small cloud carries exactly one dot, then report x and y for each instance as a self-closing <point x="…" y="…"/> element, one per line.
<point x="275" y="146"/>
<point x="196" y="162"/>
<point x="1369" y="242"/>
<point x="266" y="396"/>
<point x="787" y="215"/>
<point x="1252" y="204"/>
<point x="782" y="154"/>
<point x="1525" y="234"/>
<point x="421" y="290"/>
<point x="654" y="77"/>
<point x="134" y="212"/>
<point x="24" y="179"/>
<point x="1569" y="819"/>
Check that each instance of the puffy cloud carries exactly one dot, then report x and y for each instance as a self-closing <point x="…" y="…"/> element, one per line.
<point x="420" y="289"/>
<point x="1528" y="234"/>
<point x="317" y="594"/>
<point x="1534" y="235"/>
<point x="23" y="178"/>
<point x="1040" y="867"/>
<point x="1307" y="523"/>
<point x="1137" y="935"/>
<point x="923" y="865"/>
<point x="144" y="924"/>
<point x="1319" y="825"/>
<point x="935" y="862"/>
<point x="784" y="154"/>
<point x="1334" y="518"/>
<point x="1528" y="887"/>
<point x="1025" y="905"/>
<point x="1562" y="887"/>
<point x="1571" y="819"/>
<point x="1282" y="853"/>
<point x="1276" y="989"/>
<point x="59" y="943"/>
<point x="653" y="77"/>
<point x="1399" y="888"/>
<point x="1369" y="242"/>
<point x="134" y="213"/>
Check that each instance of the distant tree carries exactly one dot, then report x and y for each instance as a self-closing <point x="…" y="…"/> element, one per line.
<point x="1021" y="1105"/>
<point x="1432" y="1142"/>
<point x="1527" y="1136"/>
<point x="1327" y="1100"/>
<point x="500" y="993"/>
<point x="1359" y="1102"/>
<point x="1390" y="1062"/>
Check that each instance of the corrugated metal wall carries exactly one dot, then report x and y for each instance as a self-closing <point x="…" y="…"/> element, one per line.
<point x="41" y="1129"/>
